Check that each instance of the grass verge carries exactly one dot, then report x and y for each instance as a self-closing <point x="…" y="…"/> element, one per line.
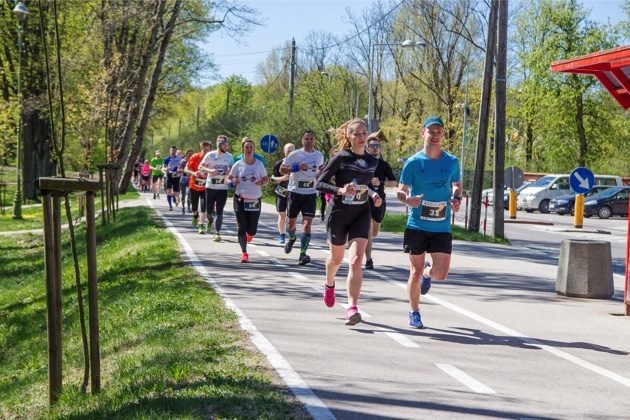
<point x="32" y="217"/>
<point x="396" y="223"/>
<point x="169" y="347"/>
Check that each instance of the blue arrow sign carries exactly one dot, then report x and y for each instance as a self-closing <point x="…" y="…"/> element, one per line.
<point x="581" y="180"/>
<point x="269" y="143"/>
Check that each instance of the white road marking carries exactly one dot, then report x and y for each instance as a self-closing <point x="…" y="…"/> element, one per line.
<point x="556" y="352"/>
<point x="465" y="379"/>
<point x="296" y="384"/>
<point x="401" y="339"/>
<point x="298" y="275"/>
<point x="263" y="253"/>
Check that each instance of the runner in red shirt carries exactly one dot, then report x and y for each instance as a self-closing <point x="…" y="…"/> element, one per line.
<point x="197" y="185"/>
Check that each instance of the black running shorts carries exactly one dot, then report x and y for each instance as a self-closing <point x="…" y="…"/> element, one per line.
<point x="347" y="223"/>
<point x="154" y="178"/>
<point x="172" y="183"/>
<point x="417" y="242"/>
<point x="281" y="204"/>
<point x="304" y="203"/>
<point x="378" y="213"/>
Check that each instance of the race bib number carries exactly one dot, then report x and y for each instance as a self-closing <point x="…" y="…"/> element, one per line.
<point x="173" y="175"/>
<point x="281" y="191"/>
<point x="251" y="205"/>
<point x="217" y="180"/>
<point x="200" y="182"/>
<point x="310" y="183"/>
<point x="433" y="211"/>
<point x="361" y="196"/>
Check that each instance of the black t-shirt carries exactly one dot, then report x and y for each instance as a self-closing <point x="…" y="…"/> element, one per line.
<point x="383" y="172"/>
<point x="277" y="173"/>
<point x="344" y="167"/>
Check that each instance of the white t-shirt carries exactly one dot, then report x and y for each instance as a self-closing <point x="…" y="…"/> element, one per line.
<point x="222" y="163"/>
<point x="303" y="182"/>
<point x="247" y="176"/>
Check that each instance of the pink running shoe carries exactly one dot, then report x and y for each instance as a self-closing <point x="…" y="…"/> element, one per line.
<point x="329" y="296"/>
<point x="353" y="316"/>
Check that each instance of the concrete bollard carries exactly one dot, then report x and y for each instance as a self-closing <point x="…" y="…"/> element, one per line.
<point x="585" y="269"/>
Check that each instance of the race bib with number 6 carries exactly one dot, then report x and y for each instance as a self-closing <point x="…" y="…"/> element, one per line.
<point x="251" y="205"/>
<point x="281" y="191"/>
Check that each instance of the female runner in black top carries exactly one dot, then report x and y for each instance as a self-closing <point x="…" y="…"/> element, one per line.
<point x="350" y="217"/>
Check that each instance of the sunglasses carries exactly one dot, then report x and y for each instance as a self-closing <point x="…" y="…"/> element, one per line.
<point x="375" y="146"/>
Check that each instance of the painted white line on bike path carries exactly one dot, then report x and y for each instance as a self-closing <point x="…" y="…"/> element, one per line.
<point x="296" y="384"/>
<point x="465" y="379"/>
<point x="508" y="331"/>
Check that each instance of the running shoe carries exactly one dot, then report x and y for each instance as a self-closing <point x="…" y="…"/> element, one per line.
<point x="244" y="257"/>
<point x="289" y="245"/>
<point x="414" y="320"/>
<point x="207" y="227"/>
<point x="154" y="196"/>
<point x="282" y="239"/>
<point x="217" y="237"/>
<point x="426" y="281"/>
<point x="202" y="229"/>
<point x="353" y="316"/>
<point x="249" y="237"/>
<point x="170" y="208"/>
<point x="210" y="221"/>
<point x="369" y="264"/>
<point x="304" y="259"/>
<point x="183" y="210"/>
<point x="329" y="296"/>
<point x="194" y="221"/>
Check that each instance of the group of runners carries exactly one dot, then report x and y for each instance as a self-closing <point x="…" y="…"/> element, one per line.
<point x="353" y="181"/>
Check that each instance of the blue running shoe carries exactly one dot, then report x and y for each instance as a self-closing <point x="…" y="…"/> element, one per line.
<point x="426" y="281"/>
<point x="282" y="239"/>
<point x="414" y="320"/>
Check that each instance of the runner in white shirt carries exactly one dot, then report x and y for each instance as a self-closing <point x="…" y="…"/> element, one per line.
<point x="247" y="176"/>
<point x="217" y="164"/>
<point x="303" y="165"/>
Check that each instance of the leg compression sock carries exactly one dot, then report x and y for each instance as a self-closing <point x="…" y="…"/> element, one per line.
<point x="306" y="239"/>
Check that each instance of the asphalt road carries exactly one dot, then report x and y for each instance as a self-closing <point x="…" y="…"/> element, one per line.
<point x="499" y="342"/>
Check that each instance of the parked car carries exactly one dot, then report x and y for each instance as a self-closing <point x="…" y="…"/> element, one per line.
<point x="506" y="194"/>
<point x="613" y="201"/>
<point x="538" y="195"/>
<point x="489" y="192"/>
<point x="564" y="204"/>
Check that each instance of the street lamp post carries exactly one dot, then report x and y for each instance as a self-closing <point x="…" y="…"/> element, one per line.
<point x="405" y="44"/>
<point x="21" y="12"/>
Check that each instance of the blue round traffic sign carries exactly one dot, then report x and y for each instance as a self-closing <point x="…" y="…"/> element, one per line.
<point x="269" y="143"/>
<point x="581" y="180"/>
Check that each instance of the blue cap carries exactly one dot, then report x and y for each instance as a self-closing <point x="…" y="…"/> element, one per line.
<point x="433" y="121"/>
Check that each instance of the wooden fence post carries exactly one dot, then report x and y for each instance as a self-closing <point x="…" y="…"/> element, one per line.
<point x="95" y="352"/>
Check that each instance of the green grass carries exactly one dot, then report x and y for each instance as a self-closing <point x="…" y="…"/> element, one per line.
<point x="169" y="347"/>
<point x="32" y="217"/>
<point x="395" y="223"/>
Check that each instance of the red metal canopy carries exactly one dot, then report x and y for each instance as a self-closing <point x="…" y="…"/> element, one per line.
<point x="611" y="67"/>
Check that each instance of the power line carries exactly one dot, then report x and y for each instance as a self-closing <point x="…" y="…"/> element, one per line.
<point x="358" y="33"/>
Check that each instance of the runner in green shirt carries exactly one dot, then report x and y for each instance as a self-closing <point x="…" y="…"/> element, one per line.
<point x="156" y="173"/>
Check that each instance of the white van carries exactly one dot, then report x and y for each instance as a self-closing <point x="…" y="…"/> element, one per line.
<point x="537" y="195"/>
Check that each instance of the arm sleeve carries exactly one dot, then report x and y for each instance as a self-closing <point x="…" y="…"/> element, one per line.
<point x="323" y="182"/>
<point x="389" y="172"/>
<point x="276" y="169"/>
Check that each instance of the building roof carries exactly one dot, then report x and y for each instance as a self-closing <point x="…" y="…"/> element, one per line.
<point x="611" y="67"/>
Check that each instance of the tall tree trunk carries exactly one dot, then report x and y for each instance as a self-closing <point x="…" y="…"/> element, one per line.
<point x="579" y="122"/>
<point x="139" y="90"/>
<point x="37" y="161"/>
<point x="150" y="99"/>
<point x="529" y="145"/>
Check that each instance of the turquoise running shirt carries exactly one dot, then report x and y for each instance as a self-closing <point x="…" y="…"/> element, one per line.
<point x="434" y="179"/>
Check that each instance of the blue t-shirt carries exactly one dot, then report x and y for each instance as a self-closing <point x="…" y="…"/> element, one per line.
<point x="172" y="164"/>
<point x="433" y="178"/>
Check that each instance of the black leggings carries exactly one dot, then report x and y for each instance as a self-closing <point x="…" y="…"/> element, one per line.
<point x="220" y="198"/>
<point x="247" y="221"/>
<point x="194" y="200"/>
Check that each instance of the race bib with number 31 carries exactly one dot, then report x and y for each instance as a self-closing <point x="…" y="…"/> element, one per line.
<point x="433" y="211"/>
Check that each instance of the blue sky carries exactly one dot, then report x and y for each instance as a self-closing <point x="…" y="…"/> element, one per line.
<point x="286" y="19"/>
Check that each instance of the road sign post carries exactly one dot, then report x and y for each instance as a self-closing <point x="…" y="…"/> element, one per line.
<point x="582" y="181"/>
<point x="514" y="178"/>
<point x="269" y="143"/>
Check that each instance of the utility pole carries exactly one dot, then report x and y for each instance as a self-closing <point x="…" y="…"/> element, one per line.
<point x="484" y="113"/>
<point x="197" y="117"/>
<point x="227" y="100"/>
<point x="499" y="121"/>
<point x="292" y="76"/>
